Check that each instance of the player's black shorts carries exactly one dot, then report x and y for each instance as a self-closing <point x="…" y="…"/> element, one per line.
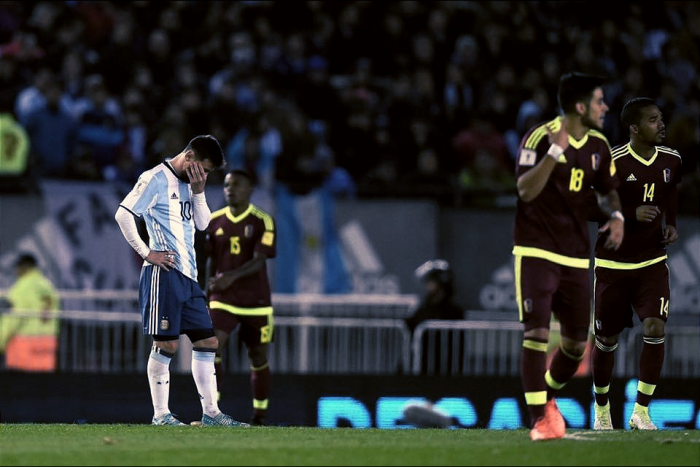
<point x="544" y="287"/>
<point x="255" y="329"/>
<point x="621" y="293"/>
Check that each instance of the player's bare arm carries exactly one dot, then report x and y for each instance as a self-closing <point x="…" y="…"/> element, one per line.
<point x="611" y="206"/>
<point x="224" y="280"/>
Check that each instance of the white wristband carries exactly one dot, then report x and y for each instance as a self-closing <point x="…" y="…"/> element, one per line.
<point x="617" y="215"/>
<point x="555" y="151"/>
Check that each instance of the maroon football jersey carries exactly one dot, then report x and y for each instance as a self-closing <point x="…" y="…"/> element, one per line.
<point x="652" y="182"/>
<point x="556" y="221"/>
<point x="233" y="240"/>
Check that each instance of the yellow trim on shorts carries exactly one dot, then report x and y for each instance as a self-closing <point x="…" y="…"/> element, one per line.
<point x="237" y="310"/>
<point x="531" y="252"/>
<point x="609" y="264"/>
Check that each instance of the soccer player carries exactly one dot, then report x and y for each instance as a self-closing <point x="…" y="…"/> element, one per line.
<point x="635" y="277"/>
<point x="560" y="165"/>
<point x="171" y="199"/>
<point x="240" y="239"/>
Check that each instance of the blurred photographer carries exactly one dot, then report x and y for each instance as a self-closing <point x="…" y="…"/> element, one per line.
<point x="437" y="303"/>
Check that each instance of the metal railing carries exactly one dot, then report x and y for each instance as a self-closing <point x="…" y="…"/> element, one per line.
<point x="315" y="335"/>
<point x="493" y="348"/>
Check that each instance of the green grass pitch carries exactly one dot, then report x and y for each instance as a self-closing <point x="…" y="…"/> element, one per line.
<point x="124" y="444"/>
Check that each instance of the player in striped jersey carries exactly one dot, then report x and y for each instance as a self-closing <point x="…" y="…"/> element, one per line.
<point x="240" y="239"/>
<point x="560" y="165"/>
<point x="171" y="199"/>
<point x="635" y="277"/>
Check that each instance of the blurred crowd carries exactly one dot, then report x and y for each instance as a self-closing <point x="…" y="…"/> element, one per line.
<point x="372" y="99"/>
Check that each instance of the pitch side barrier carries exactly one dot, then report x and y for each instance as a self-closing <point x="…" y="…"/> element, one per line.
<point x="492" y="348"/>
<point x="340" y="334"/>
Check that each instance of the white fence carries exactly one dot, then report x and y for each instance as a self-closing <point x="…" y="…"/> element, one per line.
<point x="339" y="334"/>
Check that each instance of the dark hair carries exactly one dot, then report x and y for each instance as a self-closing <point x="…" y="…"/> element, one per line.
<point x="243" y="173"/>
<point x="207" y="147"/>
<point x="577" y="87"/>
<point x="632" y="110"/>
<point x="25" y="259"/>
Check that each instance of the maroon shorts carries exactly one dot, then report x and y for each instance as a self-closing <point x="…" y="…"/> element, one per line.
<point x="255" y="330"/>
<point x="619" y="294"/>
<point x="546" y="288"/>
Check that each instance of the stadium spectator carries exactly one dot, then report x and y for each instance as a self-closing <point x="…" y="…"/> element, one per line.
<point x="241" y="237"/>
<point x="53" y="133"/>
<point x="100" y="127"/>
<point x="252" y="36"/>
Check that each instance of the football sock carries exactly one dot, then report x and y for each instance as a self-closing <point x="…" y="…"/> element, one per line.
<point x="603" y="361"/>
<point x="204" y="376"/>
<point x="533" y="362"/>
<point x="158" y="370"/>
<point x="260" y="386"/>
<point x="218" y="367"/>
<point x="650" y="363"/>
<point x="561" y="369"/>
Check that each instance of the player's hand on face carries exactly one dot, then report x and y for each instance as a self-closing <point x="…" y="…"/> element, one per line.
<point x="647" y="213"/>
<point x="197" y="176"/>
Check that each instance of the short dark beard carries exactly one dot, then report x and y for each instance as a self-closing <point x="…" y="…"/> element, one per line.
<point x="589" y="123"/>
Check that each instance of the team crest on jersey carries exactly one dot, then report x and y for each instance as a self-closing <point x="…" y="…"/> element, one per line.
<point x="667" y="175"/>
<point x="164" y="324"/>
<point x="527" y="305"/>
<point x="140" y="186"/>
<point x="595" y="161"/>
<point x="248" y="231"/>
<point x="527" y="157"/>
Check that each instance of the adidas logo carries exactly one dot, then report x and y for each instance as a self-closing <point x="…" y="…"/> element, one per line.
<point x="631" y="178"/>
<point x="173" y="196"/>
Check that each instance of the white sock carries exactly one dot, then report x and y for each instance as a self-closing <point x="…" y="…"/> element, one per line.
<point x="158" y="371"/>
<point x="204" y="375"/>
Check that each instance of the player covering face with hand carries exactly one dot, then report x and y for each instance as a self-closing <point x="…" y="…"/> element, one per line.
<point x="170" y="198"/>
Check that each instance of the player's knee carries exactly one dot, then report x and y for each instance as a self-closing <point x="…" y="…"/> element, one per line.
<point x="169" y="347"/>
<point x="257" y="356"/>
<point x="575" y="348"/>
<point x="607" y="341"/>
<point x="654" y="327"/>
<point x="537" y="333"/>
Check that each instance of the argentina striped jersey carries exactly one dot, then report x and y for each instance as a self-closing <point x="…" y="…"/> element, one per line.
<point x="165" y="202"/>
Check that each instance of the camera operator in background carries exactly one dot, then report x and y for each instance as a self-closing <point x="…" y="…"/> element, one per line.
<point x="437" y="302"/>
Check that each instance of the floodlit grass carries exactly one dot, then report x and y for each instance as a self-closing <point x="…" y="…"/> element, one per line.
<point x="122" y="444"/>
